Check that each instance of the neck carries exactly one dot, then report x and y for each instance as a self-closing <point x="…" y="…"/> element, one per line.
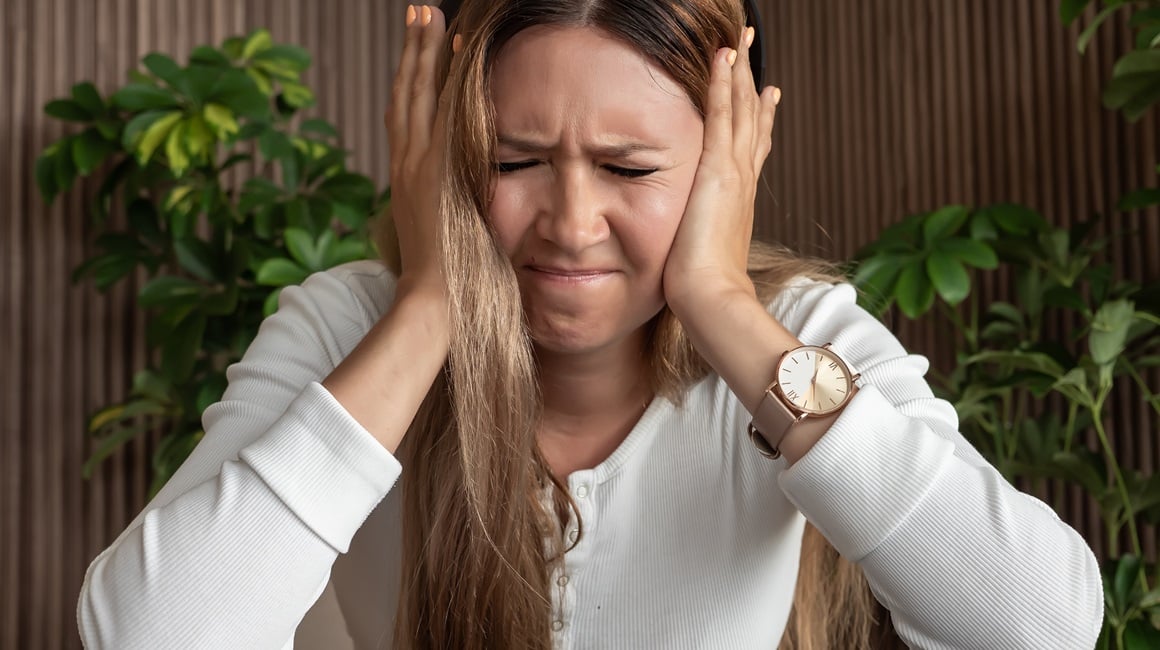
<point x="591" y="401"/>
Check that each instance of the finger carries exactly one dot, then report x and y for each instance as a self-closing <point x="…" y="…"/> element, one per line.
<point x="767" y="113"/>
<point x="719" y="106"/>
<point x="423" y="90"/>
<point x="401" y="89"/>
<point x="745" y="101"/>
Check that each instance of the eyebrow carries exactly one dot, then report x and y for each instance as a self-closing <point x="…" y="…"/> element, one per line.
<point x="612" y="151"/>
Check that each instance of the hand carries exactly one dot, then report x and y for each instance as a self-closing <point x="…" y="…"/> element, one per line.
<point x="416" y="133"/>
<point x="710" y="253"/>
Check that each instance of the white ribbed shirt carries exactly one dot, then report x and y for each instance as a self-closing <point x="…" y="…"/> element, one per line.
<point x="691" y="538"/>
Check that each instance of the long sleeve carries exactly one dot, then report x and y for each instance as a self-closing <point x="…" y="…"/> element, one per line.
<point x="239" y="544"/>
<point x="959" y="556"/>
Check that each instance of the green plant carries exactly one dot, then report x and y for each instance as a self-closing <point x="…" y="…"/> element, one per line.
<point x="1008" y="367"/>
<point x="168" y="145"/>
<point x="1010" y="376"/>
<point x="1134" y="86"/>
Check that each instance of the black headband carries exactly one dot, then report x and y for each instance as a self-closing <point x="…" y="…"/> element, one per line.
<point x="752" y="17"/>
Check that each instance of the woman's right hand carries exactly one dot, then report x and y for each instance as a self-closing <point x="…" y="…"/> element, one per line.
<point x="415" y="132"/>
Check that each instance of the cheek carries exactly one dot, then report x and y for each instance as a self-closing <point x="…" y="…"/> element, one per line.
<point x="510" y="213"/>
<point x="655" y="215"/>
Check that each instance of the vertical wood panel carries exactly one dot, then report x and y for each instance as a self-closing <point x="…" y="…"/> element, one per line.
<point x="890" y="107"/>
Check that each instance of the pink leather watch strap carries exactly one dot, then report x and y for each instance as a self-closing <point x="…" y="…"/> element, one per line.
<point x="772" y="421"/>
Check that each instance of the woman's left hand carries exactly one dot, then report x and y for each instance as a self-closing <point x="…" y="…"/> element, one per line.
<point x="709" y="256"/>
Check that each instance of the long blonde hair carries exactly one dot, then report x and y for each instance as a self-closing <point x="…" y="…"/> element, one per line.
<point x="483" y="516"/>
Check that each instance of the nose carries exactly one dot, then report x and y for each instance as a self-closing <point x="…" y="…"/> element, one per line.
<point x="574" y="218"/>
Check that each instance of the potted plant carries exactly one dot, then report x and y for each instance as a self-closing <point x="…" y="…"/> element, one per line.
<point x="171" y="147"/>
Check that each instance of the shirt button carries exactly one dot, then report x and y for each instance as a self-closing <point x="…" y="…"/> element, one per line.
<point x="573" y="535"/>
<point x="562" y="580"/>
<point x="582" y="491"/>
<point x="557" y="625"/>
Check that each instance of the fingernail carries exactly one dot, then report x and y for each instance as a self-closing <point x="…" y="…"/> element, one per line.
<point x="457" y="43"/>
<point x="731" y="57"/>
<point x="426" y="15"/>
<point x="749" y="32"/>
<point x="776" y="96"/>
<point x="410" y="14"/>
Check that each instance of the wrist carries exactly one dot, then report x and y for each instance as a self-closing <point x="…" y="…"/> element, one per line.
<point x="705" y="297"/>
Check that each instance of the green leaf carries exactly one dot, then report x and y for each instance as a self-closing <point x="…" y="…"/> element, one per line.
<point x="270" y="305"/>
<point x="274" y="145"/>
<point x="130" y="409"/>
<point x="350" y="216"/>
<point x="288" y="55"/>
<point x="297" y="95"/>
<point x="1131" y="89"/>
<point x="1137" y="62"/>
<point x="166" y="290"/>
<point x="951" y="280"/>
<point x="157" y="132"/>
<point x="1013" y="218"/>
<point x="195" y="256"/>
<point x="280" y="272"/>
<point x="105" y="270"/>
<point x="46" y="176"/>
<point x="319" y="126"/>
<point x="1140" y="199"/>
<point x="1140" y="635"/>
<point x="67" y="109"/>
<point x="1083" y="467"/>
<point x="85" y="94"/>
<point x="1066" y="298"/>
<point x="89" y="150"/>
<point x="1127" y="572"/>
<point x="148" y="383"/>
<point x="164" y="68"/>
<point x="175" y="151"/>
<point x="143" y="97"/>
<point x="179" y="351"/>
<point x="237" y="91"/>
<point x="221" y="119"/>
<point x="302" y="248"/>
<point x="944" y="222"/>
<point x="915" y="293"/>
<point x="65" y="170"/>
<point x="208" y="56"/>
<point x="981" y="227"/>
<point x="1086" y="36"/>
<point x="1069" y="10"/>
<point x="970" y="251"/>
<point x="1110" y="330"/>
<point x="210" y="392"/>
<point x="348" y="250"/>
<point x="1034" y="361"/>
<point x="258" y="41"/>
<point x="1006" y="311"/>
<point x="136" y="128"/>
<point x="109" y="444"/>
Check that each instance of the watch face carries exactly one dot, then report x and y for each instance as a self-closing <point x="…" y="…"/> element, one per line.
<point x="814" y="379"/>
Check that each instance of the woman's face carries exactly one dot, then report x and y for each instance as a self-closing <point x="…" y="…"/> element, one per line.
<point x="597" y="150"/>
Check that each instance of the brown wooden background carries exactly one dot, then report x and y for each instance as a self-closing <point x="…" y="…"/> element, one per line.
<point x="890" y="107"/>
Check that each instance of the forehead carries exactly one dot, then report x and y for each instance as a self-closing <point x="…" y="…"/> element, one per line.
<point x="553" y="80"/>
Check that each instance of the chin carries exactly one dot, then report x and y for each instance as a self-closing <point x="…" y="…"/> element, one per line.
<point x="569" y="336"/>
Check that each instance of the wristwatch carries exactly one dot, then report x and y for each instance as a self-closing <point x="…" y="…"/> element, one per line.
<point x="809" y="382"/>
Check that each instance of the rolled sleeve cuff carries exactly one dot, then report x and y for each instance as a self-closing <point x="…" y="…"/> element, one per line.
<point x="327" y="468"/>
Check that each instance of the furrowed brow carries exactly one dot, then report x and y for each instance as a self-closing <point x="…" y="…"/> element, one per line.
<point x="524" y="145"/>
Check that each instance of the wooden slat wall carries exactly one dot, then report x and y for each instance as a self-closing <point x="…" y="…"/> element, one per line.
<point x="890" y="107"/>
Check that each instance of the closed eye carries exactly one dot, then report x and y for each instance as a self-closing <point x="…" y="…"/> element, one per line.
<point x="505" y="168"/>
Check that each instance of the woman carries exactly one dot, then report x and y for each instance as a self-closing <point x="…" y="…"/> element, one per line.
<point x="565" y="361"/>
